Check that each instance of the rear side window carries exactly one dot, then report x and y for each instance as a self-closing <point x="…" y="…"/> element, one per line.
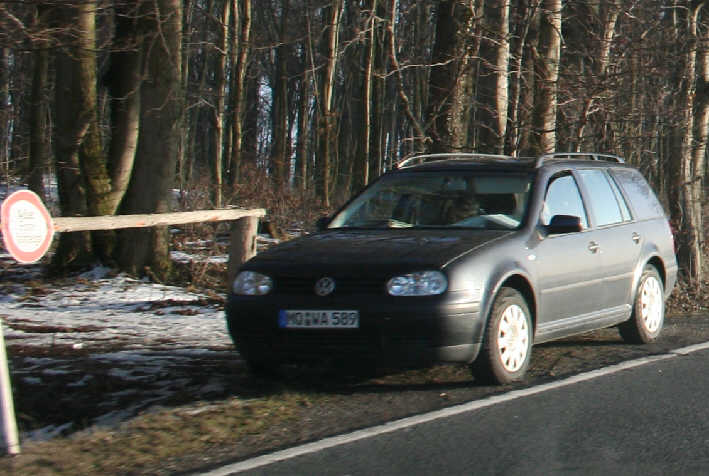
<point x="642" y="199"/>
<point x="621" y="201"/>
<point x="608" y="207"/>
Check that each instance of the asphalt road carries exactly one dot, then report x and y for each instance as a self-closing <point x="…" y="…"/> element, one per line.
<point x="645" y="417"/>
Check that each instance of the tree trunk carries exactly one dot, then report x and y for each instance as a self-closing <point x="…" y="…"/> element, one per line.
<point x="364" y="159"/>
<point x="92" y="182"/>
<point x="220" y="88"/>
<point x="280" y="157"/>
<point x="242" y="25"/>
<point x="123" y="80"/>
<point x="74" y="111"/>
<point x="328" y="123"/>
<point x="5" y="109"/>
<point x="494" y="78"/>
<point x="302" y="154"/>
<point x="73" y="249"/>
<point x="547" y="76"/>
<point x="502" y="61"/>
<point x="146" y="251"/>
<point x="379" y="93"/>
<point x="39" y="138"/>
<point x="609" y="17"/>
<point x="450" y="91"/>
<point x="693" y="150"/>
<point x="517" y="87"/>
<point x="420" y="138"/>
<point x="91" y="154"/>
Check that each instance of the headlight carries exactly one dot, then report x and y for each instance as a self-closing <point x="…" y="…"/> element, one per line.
<point x="251" y="283"/>
<point x="424" y="283"/>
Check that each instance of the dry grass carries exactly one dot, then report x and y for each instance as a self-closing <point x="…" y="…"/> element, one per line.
<point x="148" y="442"/>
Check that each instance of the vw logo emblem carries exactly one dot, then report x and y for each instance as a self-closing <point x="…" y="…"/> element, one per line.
<point x="324" y="286"/>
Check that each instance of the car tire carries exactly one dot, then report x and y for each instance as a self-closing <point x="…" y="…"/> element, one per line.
<point x="507" y="344"/>
<point x="648" y="316"/>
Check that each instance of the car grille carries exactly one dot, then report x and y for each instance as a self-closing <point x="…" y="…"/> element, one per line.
<point x="345" y="286"/>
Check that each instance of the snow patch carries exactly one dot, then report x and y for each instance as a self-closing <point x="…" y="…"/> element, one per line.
<point x="152" y="327"/>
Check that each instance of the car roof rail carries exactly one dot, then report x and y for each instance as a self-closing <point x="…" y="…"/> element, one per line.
<point x="424" y="158"/>
<point x="578" y="156"/>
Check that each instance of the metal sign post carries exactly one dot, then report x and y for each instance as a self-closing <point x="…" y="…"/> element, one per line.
<point x="27" y="232"/>
<point x="9" y="424"/>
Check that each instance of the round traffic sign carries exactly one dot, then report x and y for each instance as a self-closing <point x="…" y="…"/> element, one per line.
<point x="27" y="228"/>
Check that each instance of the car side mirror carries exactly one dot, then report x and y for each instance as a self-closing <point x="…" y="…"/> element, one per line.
<point x="322" y="223"/>
<point x="561" y="224"/>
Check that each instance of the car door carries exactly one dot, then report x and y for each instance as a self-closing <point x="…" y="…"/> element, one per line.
<point x="618" y="238"/>
<point x="568" y="265"/>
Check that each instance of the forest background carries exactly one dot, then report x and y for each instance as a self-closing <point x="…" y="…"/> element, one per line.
<point x="293" y="105"/>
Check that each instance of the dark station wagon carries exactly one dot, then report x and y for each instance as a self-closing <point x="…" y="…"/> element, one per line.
<point x="463" y="258"/>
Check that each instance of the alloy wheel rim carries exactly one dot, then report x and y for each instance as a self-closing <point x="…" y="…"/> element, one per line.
<point x="651" y="304"/>
<point x="513" y="338"/>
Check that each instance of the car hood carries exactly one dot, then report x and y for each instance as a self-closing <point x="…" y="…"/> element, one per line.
<point x="387" y="249"/>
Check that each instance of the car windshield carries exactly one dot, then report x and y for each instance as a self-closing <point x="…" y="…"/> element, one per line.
<point x="441" y="199"/>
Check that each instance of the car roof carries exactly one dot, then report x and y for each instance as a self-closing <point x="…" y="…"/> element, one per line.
<point x="471" y="161"/>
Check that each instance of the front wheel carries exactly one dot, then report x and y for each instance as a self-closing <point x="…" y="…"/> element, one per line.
<point x="645" y="323"/>
<point x="507" y="344"/>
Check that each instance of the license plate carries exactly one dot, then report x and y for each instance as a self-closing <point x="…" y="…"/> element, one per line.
<point x="318" y="319"/>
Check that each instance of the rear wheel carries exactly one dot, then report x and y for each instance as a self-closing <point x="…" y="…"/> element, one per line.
<point x="647" y="319"/>
<point x="507" y="344"/>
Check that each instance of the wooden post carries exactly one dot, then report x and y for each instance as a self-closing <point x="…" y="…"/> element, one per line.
<point x="242" y="245"/>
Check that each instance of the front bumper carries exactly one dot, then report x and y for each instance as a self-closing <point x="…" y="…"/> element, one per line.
<point x="392" y="330"/>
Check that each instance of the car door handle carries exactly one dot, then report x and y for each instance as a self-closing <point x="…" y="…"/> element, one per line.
<point x="636" y="238"/>
<point x="593" y="247"/>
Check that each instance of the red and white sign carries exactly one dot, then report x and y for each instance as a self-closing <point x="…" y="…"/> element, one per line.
<point x="27" y="228"/>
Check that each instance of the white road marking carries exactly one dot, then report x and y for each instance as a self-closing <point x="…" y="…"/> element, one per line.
<point x="689" y="349"/>
<point x="408" y="422"/>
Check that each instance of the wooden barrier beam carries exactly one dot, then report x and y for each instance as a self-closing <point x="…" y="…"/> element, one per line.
<point x="115" y="222"/>
<point x="243" y="229"/>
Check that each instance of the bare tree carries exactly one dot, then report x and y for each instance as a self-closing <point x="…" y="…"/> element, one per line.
<point x="92" y="178"/>
<point x="520" y="84"/>
<point x="5" y="112"/>
<point x="548" y="54"/>
<point x="218" y="111"/>
<point x="241" y="48"/>
<point x="280" y="130"/>
<point x="493" y="83"/>
<point x="695" y="101"/>
<point x="123" y="80"/>
<point x="159" y="143"/>
<point x="449" y="106"/>
<point x="76" y="133"/>
<point x="328" y="122"/>
<point x="39" y="131"/>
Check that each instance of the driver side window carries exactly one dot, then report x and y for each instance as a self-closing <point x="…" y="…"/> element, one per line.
<point x="563" y="198"/>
